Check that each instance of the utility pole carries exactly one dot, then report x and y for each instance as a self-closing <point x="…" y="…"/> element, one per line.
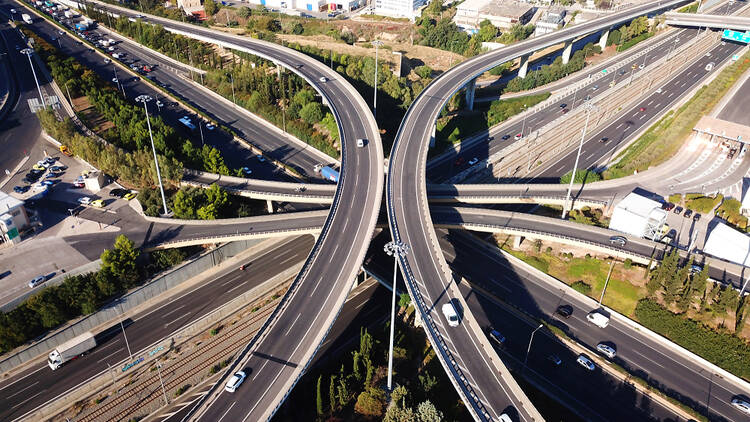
<point x="528" y="349"/>
<point x="122" y="315"/>
<point x="589" y="107"/>
<point x="163" y="390"/>
<point x="234" y="99"/>
<point x="396" y="250"/>
<point x="611" y="264"/>
<point x="28" y="52"/>
<point x="376" y="43"/>
<point x="145" y="99"/>
<point x="200" y="128"/>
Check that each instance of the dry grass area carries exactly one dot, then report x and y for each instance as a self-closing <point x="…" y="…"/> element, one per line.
<point x="94" y="120"/>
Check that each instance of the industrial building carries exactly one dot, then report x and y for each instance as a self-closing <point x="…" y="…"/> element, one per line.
<point x="639" y="216"/>
<point x="399" y="8"/>
<point x="13" y="218"/>
<point x="502" y="14"/>
<point x="552" y="20"/>
<point x="728" y="244"/>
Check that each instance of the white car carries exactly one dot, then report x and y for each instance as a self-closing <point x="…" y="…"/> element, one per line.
<point x="323" y="79"/>
<point x="505" y="418"/>
<point x="450" y="314"/>
<point x="360" y="142"/>
<point x="210" y="126"/>
<point x="114" y="80"/>
<point x="235" y="381"/>
<point x="600" y="320"/>
<point x="658" y="91"/>
<point x="159" y="104"/>
<point x="741" y="405"/>
<point x="85" y="200"/>
<point x="37" y="281"/>
<point x="606" y="350"/>
<point x="107" y="61"/>
<point x="110" y="49"/>
<point x="584" y="361"/>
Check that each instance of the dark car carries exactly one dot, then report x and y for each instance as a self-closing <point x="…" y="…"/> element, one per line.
<point x="118" y="192"/>
<point x="563" y="105"/>
<point x="696" y="217"/>
<point x="21" y="189"/>
<point x="497" y="337"/>
<point x="565" y="110"/>
<point x="618" y="240"/>
<point x="564" y="311"/>
<point x="668" y="206"/>
<point x="505" y="137"/>
<point x="604" y="139"/>
<point x="678" y="210"/>
<point x="688" y="213"/>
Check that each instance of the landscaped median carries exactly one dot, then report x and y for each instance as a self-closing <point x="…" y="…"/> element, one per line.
<point x="662" y="140"/>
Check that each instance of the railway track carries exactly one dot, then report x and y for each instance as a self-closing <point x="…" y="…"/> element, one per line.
<point x="149" y="389"/>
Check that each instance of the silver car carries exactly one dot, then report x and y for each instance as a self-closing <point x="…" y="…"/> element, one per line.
<point x="37" y="281"/>
<point x="584" y="361"/>
<point x="606" y="350"/>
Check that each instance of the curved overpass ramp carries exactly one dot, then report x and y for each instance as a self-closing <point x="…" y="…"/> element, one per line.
<point x="474" y="368"/>
<point x="286" y="343"/>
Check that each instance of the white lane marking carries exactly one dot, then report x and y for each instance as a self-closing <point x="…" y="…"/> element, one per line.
<point x="236" y="287"/>
<point x="29" y="399"/>
<point x="109" y="355"/>
<point x="292" y="325"/>
<point x="173" y="311"/>
<point x="225" y="413"/>
<point x="261" y="368"/>
<point x="25" y="376"/>
<point x="175" y="320"/>
<point x="22" y="390"/>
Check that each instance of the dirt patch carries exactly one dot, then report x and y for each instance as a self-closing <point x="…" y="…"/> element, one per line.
<point x="94" y="120"/>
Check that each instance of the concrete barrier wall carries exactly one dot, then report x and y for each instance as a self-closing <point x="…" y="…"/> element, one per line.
<point x="113" y="310"/>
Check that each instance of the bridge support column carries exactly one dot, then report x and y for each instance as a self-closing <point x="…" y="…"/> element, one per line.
<point x="524" y="68"/>
<point x="470" y="89"/>
<point x="566" y="51"/>
<point x="603" y="39"/>
<point x="517" y="241"/>
<point x="269" y="204"/>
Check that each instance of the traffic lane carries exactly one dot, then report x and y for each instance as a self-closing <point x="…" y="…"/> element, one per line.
<point x="284" y="349"/>
<point x="636" y="352"/>
<point x="539" y="119"/>
<point x="234" y="153"/>
<point x="736" y="109"/>
<point x="145" y="329"/>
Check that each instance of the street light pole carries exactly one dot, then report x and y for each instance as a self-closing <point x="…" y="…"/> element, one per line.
<point x="200" y="128"/>
<point x="122" y="326"/>
<point x="377" y="44"/>
<point x="528" y="349"/>
<point x="611" y="264"/>
<point x="234" y="99"/>
<point x="396" y="250"/>
<point x="145" y="99"/>
<point x="163" y="390"/>
<point x="28" y="52"/>
<point x="588" y="107"/>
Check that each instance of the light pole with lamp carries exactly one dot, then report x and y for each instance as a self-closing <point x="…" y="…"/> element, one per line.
<point x="234" y="99"/>
<point x="122" y="88"/>
<point x="122" y="326"/>
<point x="376" y="43"/>
<point x="200" y="128"/>
<point x="528" y="349"/>
<point x="396" y="250"/>
<point x="145" y="99"/>
<point x="163" y="390"/>
<point x="28" y="52"/>
<point x="589" y="107"/>
<point x="611" y="264"/>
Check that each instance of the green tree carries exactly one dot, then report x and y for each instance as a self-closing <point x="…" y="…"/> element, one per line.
<point x="342" y="389"/>
<point x="244" y="12"/>
<point x="487" y="31"/>
<point x="404" y="300"/>
<point x="728" y="299"/>
<point x="370" y="402"/>
<point x="435" y="7"/>
<point x="356" y="358"/>
<point x="311" y="113"/>
<point x="121" y="261"/>
<point x="185" y="202"/>
<point x="400" y="414"/>
<point x="332" y="394"/>
<point x="210" y="7"/>
<point x="427" y="382"/>
<point x="426" y="412"/>
<point x="424" y="72"/>
<point x="216" y="199"/>
<point x="319" y="397"/>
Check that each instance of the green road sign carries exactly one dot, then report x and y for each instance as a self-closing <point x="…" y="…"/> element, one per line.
<point x="736" y="36"/>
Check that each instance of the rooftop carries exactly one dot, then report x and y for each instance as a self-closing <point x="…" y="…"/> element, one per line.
<point x="8" y="202"/>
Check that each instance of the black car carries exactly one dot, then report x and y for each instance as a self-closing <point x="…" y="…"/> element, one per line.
<point x="667" y="206"/>
<point x="564" y="311"/>
<point x="696" y="217"/>
<point x="118" y="192"/>
<point x="21" y="189"/>
<point x="505" y="137"/>
<point x="678" y="210"/>
<point x="688" y="213"/>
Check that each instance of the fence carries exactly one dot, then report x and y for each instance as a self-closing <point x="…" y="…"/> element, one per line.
<point x="116" y="308"/>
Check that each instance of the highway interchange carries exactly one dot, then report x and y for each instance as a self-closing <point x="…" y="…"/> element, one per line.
<point x="280" y="369"/>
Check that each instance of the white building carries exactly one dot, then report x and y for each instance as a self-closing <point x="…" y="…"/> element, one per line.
<point x="638" y="216"/>
<point x="13" y="218"/>
<point x="399" y="8"/>
<point x="728" y="244"/>
<point x="502" y="14"/>
<point x="551" y="21"/>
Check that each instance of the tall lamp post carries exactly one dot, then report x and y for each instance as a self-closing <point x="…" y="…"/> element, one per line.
<point x="28" y="52"/>
<point x="122" y="326"/>
<point x="376" y="43"/>
<point x="234" y="100"/>
<point x="528" y="349"/>
<point x="589" y="107"/>
<point x="145" y="99"/>
<point x="396" y="250"/>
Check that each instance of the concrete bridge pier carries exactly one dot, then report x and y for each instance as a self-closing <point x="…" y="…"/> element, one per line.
<point x="269" y="204"/>
<point x="524" y="68"/>
<point x="470" y="89"/>
<point x="517" y="241"/>
<point x="603" y="39"/>
<point x="567" y="51"/>
<point x="432" y="137"/>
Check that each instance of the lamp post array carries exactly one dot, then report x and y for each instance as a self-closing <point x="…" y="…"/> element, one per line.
<point x="145" y="99"/>
<point x="396" y="250"/>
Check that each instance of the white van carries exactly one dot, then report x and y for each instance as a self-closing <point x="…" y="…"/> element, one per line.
<point x="450" y="314"/>
<point x="600" y="320"/>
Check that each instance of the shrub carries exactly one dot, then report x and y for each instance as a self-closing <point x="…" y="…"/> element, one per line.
<point x="370" y="402"/>
<point x="581" y="287"/>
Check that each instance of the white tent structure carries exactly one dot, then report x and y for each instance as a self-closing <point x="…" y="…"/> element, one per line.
<point x="728" y="244"/>
<point x="638" y="216"/>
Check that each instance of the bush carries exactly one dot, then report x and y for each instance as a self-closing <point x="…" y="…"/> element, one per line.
<point x="582" y="176"/>
<point x="720" y="348"/>
<point x="581" y="287"/>
<point x="370" y="402"/>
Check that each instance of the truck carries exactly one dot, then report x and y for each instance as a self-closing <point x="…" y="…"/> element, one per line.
<point x="26" y="18"/>
<point x="82" y="26"/>
<point x="329" y="174"/>
<point x="71" y="349"/>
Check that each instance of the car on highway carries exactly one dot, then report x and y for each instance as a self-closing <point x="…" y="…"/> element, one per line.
<point x="641" y="66"/>
<point x="688" y="213"/>
<point x="563" y="105"/>
<point x="505" y="137"/>
<point x="107" y="61"/>
<point x="642" y="109"/>
<point x="84" y="200"/>
<point x="21" y="189"/>
<point x="565" y="110"/>
<point x="99" y="203"/>
<point x="741" y="405"/>
<point x="473" y="161"/>
<point x="497" y="337"/>
<point x="37" y="281"/>
<point x="260" y="158"/>
<point x="555" y="360"/>
<point x="618" y="240"/>
<point x="603" y="139"/>
<point x="658" y="91"/>
<point x="598" y="319"/>
<point x="606" y="350"/>
<point x="564" y="311"/>
<point x="518" y="136"/>
<point x="234" y="382"/>
<point x="586" y="362"/>
<point x="360" y="143"/>
<point x="678" y="210"/>
<point x="323" y="79"/>
<point x="449" y="311"/>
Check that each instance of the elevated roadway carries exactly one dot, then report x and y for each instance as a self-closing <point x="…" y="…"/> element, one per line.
<point x="297" y="327"/>
<point x="427" y="275"/>
<point x="738" y="23"/>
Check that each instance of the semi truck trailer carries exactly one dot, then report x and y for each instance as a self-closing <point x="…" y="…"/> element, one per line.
<point x="71" y="349"/>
